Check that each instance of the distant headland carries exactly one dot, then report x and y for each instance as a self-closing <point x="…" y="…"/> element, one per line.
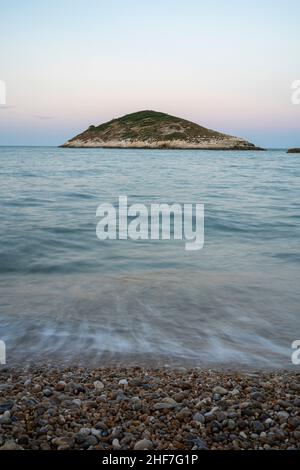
<point x="155" y="130"/>
<point x="294" y="150"/>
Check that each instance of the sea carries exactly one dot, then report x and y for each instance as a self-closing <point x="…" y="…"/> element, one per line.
<point x="66" y="296"/>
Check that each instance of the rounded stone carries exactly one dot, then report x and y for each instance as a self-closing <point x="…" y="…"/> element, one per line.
<point x="143" y="444"/>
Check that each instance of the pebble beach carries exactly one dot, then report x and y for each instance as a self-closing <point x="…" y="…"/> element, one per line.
<point x="119" y="408"/>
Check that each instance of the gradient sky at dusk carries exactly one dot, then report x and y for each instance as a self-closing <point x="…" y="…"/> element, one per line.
<point x="228" y="65"/>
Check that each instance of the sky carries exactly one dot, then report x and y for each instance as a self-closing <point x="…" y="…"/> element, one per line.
<point x="227" y="65"/>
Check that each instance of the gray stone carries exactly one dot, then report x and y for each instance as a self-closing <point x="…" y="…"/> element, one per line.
<point x="85" y="431"/>
<point x="123" y="382"/>
<point x="144" y="444"/>
<point x="116" y="444"/>
<point x="258" y="427"/>
<point x="258" y="396"/>
<point x="167" y="403"/>
<point x="231" y="424"/>
<point x="199" y="418"/>
<point x="11" y="445"/>
<point x="7" y="405"/>
<point x="80" y="438"/>
<point x="90" y="441"/>
<point x="220" y="390"/>
<point x="197" y="443"/>
<point x="99" y="386"/>
<point x="283" y="415"/>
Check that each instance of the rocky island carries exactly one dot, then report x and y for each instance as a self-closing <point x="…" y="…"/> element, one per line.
<point x="156" y="130"/>
<point x="294" y="150"/>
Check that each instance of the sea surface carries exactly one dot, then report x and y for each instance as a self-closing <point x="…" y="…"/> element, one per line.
<point x="66" y="295"/>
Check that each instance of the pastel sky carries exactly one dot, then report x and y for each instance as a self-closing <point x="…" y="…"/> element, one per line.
<point x="228" y="65"/>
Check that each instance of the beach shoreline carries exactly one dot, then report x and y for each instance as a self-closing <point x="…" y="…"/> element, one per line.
<point x="60" y="407"/>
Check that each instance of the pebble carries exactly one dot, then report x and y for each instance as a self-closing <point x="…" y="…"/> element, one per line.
<point x="197" y="443"/>
<point x="231" y="424"/>
<point x="60" y="386"/>
<point x="282" y="415"/>
<point x="11" y="445"/>
<point x="258" y="396"/>
<point x="7" y="405"/>
<point x="296" y="435"/>
<point x="211" y="412"/>
<point x="97" y="433"/>
<point x="116" y="444"/>
<point x="220" y="390"/>
<point x="258" y="427"/>
<point x="127" y="439"/>
<point x="167" y="404"/>
<point x="136" y="403"/>
<point x="65" y="408"/>
<point x="199" y="418"/>
<point x="85" y="431"/>
<point x="123" y="382"/>
<point x="79" y="438"/>
<point x="99" y="386"/>
<point x="90" y="441"/>
<point x="143" y="444"/>
<point x="5" y="419"/>
<point x="77" y="402"/>
<point x="60" y="442"/>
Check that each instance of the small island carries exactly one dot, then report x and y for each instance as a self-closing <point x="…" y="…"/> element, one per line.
<point x="294" y="150"/>
<point x="156" y="130"/>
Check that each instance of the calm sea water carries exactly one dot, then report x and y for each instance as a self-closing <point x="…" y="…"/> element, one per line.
<point x="65" y="294"/>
